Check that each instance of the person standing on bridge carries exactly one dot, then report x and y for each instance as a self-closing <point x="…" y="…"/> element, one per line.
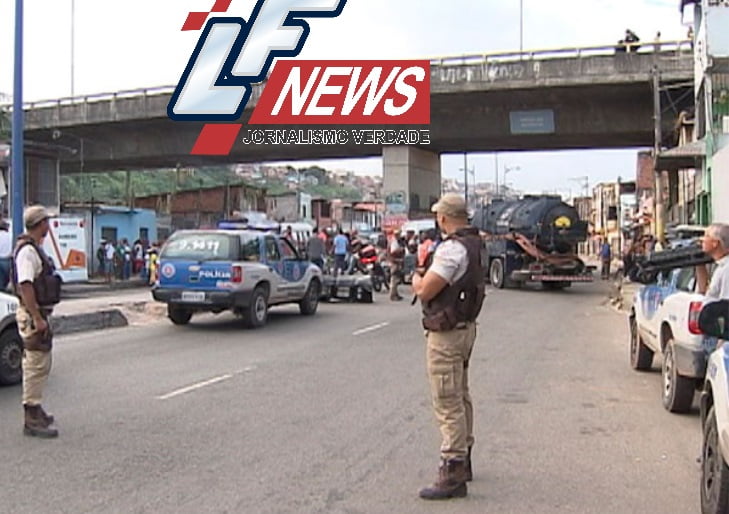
<point x="39" y="290"/>
<point x="452" y="293"/>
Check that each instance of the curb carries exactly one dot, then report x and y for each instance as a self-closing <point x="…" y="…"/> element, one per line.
<point x="98" y="320"/>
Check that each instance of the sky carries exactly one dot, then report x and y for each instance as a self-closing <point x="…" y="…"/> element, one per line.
<point x="134" y="44"/>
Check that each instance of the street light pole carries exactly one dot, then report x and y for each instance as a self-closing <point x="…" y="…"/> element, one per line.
<point x="73" y="46"/>
<point x="508" y="169"/>
<point x="18" y="175"/>
<point x="496" y="175"/>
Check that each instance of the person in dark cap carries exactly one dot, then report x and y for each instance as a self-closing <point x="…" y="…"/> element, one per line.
<point x="451" y="292"/>
<point x="38" y="289"/>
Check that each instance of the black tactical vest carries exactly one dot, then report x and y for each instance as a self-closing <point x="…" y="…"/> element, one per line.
<point x="460" y="302"/>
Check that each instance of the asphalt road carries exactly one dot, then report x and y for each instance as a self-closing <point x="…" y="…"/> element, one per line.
<point x="331" y="414"/>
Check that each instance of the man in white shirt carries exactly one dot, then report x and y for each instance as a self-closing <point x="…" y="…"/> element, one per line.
<point x="110" y="254"/>
<point x="715" y="244"/>
<point x="32" y="317"/>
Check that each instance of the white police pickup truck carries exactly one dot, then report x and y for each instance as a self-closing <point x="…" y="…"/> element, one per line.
<point x="11" y="346"/>
<point x="664" y="319"/>
<point x="714" y="320"/>
<point x="246" y="271"/>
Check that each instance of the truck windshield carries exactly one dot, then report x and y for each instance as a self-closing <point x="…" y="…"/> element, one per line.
<point x="201" y="246"/>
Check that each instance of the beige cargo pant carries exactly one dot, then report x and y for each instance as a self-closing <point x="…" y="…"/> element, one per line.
<point x="447" y="357"/>
<point x="36" y="364"/>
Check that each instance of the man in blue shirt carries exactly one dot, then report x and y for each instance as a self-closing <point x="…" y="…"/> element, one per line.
<point x="606" y="256"/>
<point x="341" y="245"/>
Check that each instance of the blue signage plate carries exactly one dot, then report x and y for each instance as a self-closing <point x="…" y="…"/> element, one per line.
<point x="532" y="122"/>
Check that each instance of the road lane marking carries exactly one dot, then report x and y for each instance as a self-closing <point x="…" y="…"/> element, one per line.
<point x="194" y="387"/>
<point x="370" y="329"/>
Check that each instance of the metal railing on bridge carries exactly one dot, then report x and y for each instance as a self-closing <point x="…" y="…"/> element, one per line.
<point x="662" y="47"/>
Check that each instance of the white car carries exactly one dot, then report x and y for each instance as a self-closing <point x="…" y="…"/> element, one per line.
<point x="11" y="346"/>
<point x="715" y="417"/>
<point x="664" y="319"/>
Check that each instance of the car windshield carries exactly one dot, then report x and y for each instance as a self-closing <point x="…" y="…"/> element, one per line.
<point x="201" y="246"/>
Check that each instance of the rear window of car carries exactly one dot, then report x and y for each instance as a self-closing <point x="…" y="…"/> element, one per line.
<point x="202" y="247"/>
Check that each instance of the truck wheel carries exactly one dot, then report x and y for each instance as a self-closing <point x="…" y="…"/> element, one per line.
<point x="11" y="357"/>
<point x="310" y="302"/>
<point x="641" y="357"/>
<point x="179" y="315"/>
<point x="714" y="470"/>
<point x="678" y="391"/>
<point x="496" y="274"/>
<point x="256" y="314"/>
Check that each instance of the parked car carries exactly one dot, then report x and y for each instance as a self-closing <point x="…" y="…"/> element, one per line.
<point x="714" y="321"/>
<point x="246" y="271"/>
<point x="664" y="320"/>
<point x="11" y="346"/>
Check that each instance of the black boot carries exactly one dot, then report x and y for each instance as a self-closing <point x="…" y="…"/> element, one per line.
<point x="469" y="472"/>
<point x="451" y="482"/>
<point x="36" y="425"/>
<point x="48" y="417"/>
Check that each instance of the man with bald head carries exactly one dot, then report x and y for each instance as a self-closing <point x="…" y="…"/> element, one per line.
<point x="715" y="244"/>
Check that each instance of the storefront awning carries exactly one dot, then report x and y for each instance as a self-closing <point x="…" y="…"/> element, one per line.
<point x="683" y="157"/>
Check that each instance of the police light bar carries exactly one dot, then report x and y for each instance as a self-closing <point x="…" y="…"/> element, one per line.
<point x="245" y="225"/>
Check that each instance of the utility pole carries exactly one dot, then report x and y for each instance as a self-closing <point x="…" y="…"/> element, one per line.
<point x="465" y="176"/>
<point x="18" y="167"/>
<point x="521" y="26"/>
<point x="659" y="214"/>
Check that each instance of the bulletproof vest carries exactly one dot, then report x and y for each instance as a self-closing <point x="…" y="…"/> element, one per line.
<point x="47" y="285"/>
<point x="460" y="302"/>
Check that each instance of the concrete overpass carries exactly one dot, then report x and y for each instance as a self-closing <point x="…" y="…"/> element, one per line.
<point x="585" y="98"/>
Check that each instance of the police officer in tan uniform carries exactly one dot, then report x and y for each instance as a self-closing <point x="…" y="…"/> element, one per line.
<point x="452" y="292"/>
<point x="38" y="289"/>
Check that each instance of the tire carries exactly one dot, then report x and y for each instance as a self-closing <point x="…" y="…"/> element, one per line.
<point x="678" y="391"/>
<point x="11" y="357"/>
<point x="256" y="314"/>
<point x="641" y="357"/>
<point x="376" y="283"/>
<point x="309" y="304"/>
<point x="496" y="274"/>
<point x="179" y="315"/>
<point x="714" y="470"/>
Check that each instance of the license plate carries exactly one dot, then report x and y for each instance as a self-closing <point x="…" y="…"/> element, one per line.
<point x="190" y="296"/>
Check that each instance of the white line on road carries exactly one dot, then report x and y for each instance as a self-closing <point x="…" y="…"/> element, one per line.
<point x="193" y="387"/>
<point x="370" y="329"/>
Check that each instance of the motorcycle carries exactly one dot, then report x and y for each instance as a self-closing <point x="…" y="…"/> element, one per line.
<point x="368" y="262"/>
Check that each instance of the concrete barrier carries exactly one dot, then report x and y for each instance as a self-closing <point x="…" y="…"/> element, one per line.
<point x="96" y="320"/>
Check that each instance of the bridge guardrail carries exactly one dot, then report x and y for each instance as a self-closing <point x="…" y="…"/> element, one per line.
<point x="643" y="48"/>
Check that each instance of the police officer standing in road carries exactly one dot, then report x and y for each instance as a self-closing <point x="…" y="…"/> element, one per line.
<point x="38" y="288"/>
<point x="452" y="293"/>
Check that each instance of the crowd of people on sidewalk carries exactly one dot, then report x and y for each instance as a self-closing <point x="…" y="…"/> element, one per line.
<point x="122" y="261"/>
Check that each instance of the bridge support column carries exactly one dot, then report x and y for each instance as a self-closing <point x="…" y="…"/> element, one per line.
<point x="414" y="174"/>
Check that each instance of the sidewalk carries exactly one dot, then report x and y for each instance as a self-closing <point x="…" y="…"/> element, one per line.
<point x="96" y="306"/>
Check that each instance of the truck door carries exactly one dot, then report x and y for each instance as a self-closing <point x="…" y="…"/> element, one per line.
<point x="294" y="270"/>
<point x="276" y="268"/>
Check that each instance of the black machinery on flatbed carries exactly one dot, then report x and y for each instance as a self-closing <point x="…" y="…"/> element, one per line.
<point x="533" y="239"/>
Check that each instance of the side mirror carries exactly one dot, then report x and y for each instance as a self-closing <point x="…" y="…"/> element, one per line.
<point x="714" y="319"/>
